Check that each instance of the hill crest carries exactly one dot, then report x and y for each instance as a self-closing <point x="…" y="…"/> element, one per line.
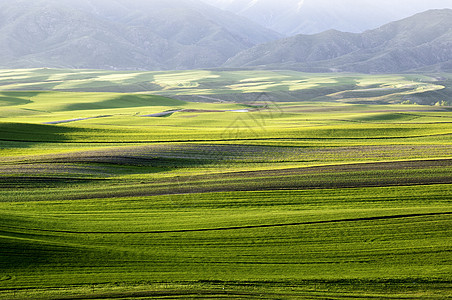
<point x="419" y="41"/>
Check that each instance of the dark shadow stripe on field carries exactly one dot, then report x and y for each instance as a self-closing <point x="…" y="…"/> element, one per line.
<point x="75" y="120"/>
<point x="228" y="140"/>
<point x="36" y="182"/>
<point x="46" y="178"/>
<point x="244" y="227"/>
<point x="205" y="294"/>
<point x="363" y="166"/>
<point x="225" y="294"/>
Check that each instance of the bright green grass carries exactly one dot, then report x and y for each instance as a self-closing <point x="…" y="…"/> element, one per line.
<point x="161" y="239"/>
<point x="55" y="106"/>
<point x="332" y="198"/>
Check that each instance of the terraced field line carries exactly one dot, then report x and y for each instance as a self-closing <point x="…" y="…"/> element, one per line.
<point x="404" y="216"/>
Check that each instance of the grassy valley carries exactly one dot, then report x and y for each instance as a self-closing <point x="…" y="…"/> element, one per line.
<point x="224" y="184"/>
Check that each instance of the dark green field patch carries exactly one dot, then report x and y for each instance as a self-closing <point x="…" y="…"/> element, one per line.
<point x="22" y="182"/>
<point x="126" y="101"/>
<point x="16" y="98"/>
<point x="387" y="117"/>
<point x="34" y="132"/>
<point x="372" y="92"/>
<point x="16" y="94"/>
<point x="8" y="101"/>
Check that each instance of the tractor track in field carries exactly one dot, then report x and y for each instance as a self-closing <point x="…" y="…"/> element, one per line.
<point x="346" y="220"/>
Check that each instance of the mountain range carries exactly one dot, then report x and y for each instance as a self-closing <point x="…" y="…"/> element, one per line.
<point x="291" y="17"/>
<point x="423" y="41"/>
<point x="122" y="34"/>
<point x="191" y="34"/>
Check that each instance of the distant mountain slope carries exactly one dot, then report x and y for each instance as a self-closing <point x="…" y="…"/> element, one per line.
<point x="314" y="16"/>
<point x="122" y="34"/>
<point x="417" y="42"/>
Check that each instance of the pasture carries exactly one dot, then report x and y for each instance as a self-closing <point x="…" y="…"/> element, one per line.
<point x="248" y="190"/>
<point x="240" y="85"/>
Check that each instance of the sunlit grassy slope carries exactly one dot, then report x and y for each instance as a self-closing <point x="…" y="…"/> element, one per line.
<point x="220" y="199"/>
<point x="241" y="86"/>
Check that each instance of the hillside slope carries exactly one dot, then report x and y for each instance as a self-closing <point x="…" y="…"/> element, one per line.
<point x="422" y="41"/>
<point x="119" y="34"/>
<point x="314" y="16"/>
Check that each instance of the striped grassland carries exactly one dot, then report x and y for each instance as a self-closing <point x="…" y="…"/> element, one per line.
<point x="220" y="199"/>
<point x="240" y="86"/>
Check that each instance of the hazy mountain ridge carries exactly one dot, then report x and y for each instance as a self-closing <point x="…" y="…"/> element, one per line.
<point x="188" y="34"/>
<point x="154" y="34"/>
<point x="315" y="16"/>
<point x="412" y="43"/>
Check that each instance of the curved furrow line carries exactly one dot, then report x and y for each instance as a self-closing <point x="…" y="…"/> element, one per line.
<point x="378" y="218"/>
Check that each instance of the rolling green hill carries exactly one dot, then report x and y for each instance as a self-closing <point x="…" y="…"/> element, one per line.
<point x="133" y="195"/>
<point x="233" y="86"/>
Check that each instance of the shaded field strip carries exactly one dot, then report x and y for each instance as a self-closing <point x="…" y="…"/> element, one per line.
<point x="102" y="158"/>
<point x="75" y="120"/>
<point x="311" y="178"/>
<point x="47" y="179"/>
<point x="226" y="140"/>
<point x="211" y="294"/>
<point x="225" y="294"/>
<point x="406" y="173"/>
<point x="121" y="160"/>
<point x="385" y="165"/>
<point x="403" y="216"/>
<point x="220" y="294"/>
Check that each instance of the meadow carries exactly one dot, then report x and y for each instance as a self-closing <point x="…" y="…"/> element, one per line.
<point x="224" y="184"/>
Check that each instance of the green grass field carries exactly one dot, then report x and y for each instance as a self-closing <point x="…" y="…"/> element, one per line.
<point x="239" y="86"/>
<point x="333" y="196"/>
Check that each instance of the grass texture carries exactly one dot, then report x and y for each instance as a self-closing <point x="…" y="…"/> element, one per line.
<point x="220" y="199"/>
